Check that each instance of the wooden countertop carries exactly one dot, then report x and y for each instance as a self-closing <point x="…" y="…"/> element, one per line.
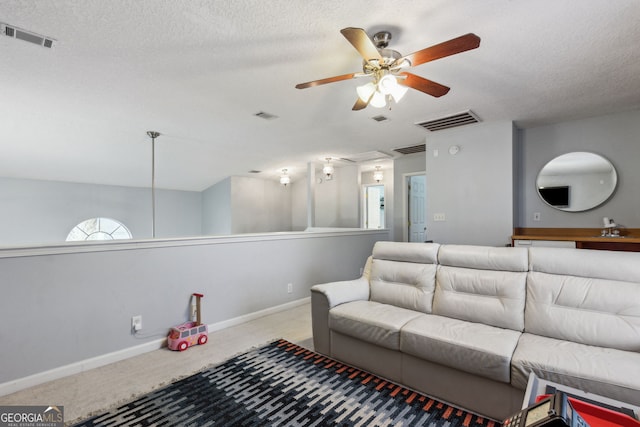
<point x="631" y="235"/>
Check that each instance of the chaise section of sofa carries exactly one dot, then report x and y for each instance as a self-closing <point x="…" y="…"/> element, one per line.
<point x="582" y="322"/>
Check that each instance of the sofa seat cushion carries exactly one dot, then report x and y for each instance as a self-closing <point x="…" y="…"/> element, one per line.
<point x="471" y="347"/>
<point x="604" y="371"/>
<point x="371" y="321"/>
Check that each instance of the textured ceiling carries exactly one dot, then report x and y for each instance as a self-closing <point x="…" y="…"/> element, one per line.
<point x="199" y="71"/>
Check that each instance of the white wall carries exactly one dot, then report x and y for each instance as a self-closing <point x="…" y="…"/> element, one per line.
<point x="473" y="188"/>
<point x="616" y="137"/>
<point x="299" y="196"/>
<point x="337" y="199"/>
<point x="36" y="212"/>
<point x="259" y="206"/>
<point x="349" y="197"/>
<point x="63" y="308"/>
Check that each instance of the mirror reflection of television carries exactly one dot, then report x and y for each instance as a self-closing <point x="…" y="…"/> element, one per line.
<point x="555" y="196"/>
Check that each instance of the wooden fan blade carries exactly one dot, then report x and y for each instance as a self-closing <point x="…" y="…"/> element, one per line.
<point x="363" y="44"/>
<point x="359" y="105"/>
<point x="327" y="80"/>
<point x="423" y="85"/>
<point x="448" y="48"/>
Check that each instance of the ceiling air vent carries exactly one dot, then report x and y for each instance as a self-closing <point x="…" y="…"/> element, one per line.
<point x="461" y="119"/>
<point x="266" y="116"/>
<point x="27" y="36"/>
<point x="410" y="150"/>
<point x="380" y="118"/>
<point x="369" y="156"/>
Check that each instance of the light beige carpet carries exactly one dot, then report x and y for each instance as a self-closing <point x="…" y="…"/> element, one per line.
<point x="101" y="388"/>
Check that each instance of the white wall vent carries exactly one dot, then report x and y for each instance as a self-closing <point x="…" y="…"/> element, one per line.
<point x="421" y="148"/>
<point x="465" y="118"/>
<point x="27" y="36"/>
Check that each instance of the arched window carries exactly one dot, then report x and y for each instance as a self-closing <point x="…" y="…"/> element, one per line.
<point x="99" y="229"/>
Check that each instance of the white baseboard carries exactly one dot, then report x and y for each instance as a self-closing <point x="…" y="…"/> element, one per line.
<point x="257" y="314"/>
<point x="116" y="356"/>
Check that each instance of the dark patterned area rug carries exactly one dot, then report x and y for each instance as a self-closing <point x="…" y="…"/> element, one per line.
<point x="283" y="384"/>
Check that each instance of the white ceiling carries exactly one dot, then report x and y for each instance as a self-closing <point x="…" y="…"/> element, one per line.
<point x="198" y="72"/>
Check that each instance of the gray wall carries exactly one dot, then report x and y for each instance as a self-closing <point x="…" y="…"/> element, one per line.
<point x="616" y="137"/>
<point x="36" y="212"/>
<point x="474" y="188"/>
<point x="216" y="208"/>
<point x="59" y="309"/>
<point x="408" y="164"/>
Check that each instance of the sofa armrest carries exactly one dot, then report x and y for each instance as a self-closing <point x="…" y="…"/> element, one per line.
<point x="337" y="293"/>
<point x="326" y="296"/>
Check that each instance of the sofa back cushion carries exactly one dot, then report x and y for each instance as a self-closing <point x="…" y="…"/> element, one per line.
<point x="403" y="274"/>
<point x="585" y="296"/>
<point x="482" y="284"/>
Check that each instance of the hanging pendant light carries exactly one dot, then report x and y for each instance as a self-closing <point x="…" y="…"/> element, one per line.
<point x="285" y="178"/>
<point x="153" y="135"/>
<point x="378" y="175"/>
<point x="327" y="170"/>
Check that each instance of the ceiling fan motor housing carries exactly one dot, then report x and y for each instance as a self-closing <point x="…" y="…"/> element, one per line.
<point x="389" y="58"/>
<point x="381" y="39"/>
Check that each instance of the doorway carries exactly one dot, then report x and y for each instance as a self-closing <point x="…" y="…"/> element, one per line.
<point x="374" y="206"/>
<point x="415" y="187"/>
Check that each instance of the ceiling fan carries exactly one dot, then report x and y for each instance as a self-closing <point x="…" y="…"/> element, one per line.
<point x="386" y="67"/>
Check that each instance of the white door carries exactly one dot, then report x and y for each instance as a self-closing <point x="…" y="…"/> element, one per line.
<point x="374" y="206"/>
<point x="416" y="208"/>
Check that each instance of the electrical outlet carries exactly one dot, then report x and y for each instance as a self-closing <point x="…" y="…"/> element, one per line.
<point x="289" y="288"/>
<point x="136" y="323"/>
<point x="439" y="217"/>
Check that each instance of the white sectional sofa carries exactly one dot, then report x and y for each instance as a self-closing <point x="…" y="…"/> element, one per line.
<point x="467" y="324"/>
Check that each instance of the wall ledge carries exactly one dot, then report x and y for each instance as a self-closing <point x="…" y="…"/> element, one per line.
<point x="123" y="245"/>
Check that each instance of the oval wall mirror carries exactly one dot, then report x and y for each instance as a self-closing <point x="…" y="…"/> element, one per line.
<point x="578" y="181"/>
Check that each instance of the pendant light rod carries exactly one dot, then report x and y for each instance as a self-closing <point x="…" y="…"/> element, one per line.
<point x="153" y="135"/>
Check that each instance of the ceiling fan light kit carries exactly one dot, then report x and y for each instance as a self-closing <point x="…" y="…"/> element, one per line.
<point x="390" y="81"/>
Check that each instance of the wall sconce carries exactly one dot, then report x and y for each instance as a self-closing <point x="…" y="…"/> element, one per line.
<point x="378" y="175"/>
<point x="327" y="170"/>
<point x="285" y="178"/>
